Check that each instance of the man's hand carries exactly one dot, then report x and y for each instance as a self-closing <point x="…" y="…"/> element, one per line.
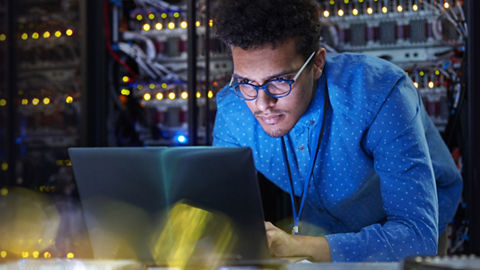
<point x="282" y="244"/>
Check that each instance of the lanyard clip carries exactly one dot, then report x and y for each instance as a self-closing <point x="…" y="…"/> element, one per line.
<point x="295" y="230"/>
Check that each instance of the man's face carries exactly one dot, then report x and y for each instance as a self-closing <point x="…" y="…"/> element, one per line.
<point x="260" y="65"/>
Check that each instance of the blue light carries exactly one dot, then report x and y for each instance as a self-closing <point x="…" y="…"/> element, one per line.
<point x="181" y="139"/>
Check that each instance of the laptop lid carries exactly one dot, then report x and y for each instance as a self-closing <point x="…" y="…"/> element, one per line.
<point x="171" y="206"/>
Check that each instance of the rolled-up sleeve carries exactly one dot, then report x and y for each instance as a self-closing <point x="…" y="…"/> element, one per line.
<point x="397" y="143"/>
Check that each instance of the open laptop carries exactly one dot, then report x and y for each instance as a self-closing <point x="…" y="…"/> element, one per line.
<point x="173" y="206"/>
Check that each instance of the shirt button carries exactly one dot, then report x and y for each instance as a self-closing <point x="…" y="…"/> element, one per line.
<point x="301" y="148"/>
<point x="312" y="122"/>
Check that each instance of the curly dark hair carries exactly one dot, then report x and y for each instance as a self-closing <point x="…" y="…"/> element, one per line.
<point x="250" y="24"/>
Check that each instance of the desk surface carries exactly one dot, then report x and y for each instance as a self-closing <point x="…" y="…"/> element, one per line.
<point x="64" y="264"/>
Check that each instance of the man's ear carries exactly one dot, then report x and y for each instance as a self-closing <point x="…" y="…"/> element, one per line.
<point x="319" y="62"/>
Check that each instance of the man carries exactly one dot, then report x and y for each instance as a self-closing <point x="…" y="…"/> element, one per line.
<point x="346" y="133"/>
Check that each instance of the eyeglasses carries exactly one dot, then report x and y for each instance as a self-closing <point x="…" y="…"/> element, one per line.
<point x="277" y="88"/>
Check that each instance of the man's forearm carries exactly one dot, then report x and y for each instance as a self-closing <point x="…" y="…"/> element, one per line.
<point x="316" y="248"/>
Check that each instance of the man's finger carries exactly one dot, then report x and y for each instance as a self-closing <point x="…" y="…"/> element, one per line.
<point x="269" y="226"/>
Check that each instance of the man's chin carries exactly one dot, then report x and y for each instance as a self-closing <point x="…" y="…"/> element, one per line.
<point x="274" y="131"/>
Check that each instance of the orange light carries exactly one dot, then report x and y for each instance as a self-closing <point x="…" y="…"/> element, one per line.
<point x="446" y="5"/>
<point x="3" y="254"/>
<point x="47" y="255"/>
<point x="25" y="254"/>
<point x="198" y="95"/>
<point x="35" y="254"/>
<point x="69" y="99"/>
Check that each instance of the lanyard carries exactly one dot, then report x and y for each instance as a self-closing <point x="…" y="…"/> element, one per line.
<point x="297" y="215"/>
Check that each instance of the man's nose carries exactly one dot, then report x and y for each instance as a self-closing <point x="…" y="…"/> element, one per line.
<point x="264" y="101"/>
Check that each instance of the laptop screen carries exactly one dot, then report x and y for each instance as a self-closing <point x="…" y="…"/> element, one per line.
<point x="171" y="206"/>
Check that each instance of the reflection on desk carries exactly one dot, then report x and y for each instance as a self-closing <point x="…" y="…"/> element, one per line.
<point x="65" y="264"/>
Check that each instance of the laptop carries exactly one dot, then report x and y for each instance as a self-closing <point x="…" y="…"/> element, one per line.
<point x="172" y="206"/>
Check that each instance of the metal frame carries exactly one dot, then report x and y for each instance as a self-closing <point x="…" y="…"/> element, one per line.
<point x="93" y="131"/>
<point x="11" y="92"/>
<point x="207" y="72"/>
<point x="192" y="72"/>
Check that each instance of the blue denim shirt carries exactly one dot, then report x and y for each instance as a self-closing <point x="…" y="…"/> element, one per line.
<point x="384" y="184"/>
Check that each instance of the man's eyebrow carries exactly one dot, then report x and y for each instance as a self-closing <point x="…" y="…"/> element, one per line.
<point x="276" y="75"/>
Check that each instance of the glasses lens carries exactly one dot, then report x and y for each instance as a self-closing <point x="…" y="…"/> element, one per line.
<point x="278" y="87"/>
<point x="246" y="91"/>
